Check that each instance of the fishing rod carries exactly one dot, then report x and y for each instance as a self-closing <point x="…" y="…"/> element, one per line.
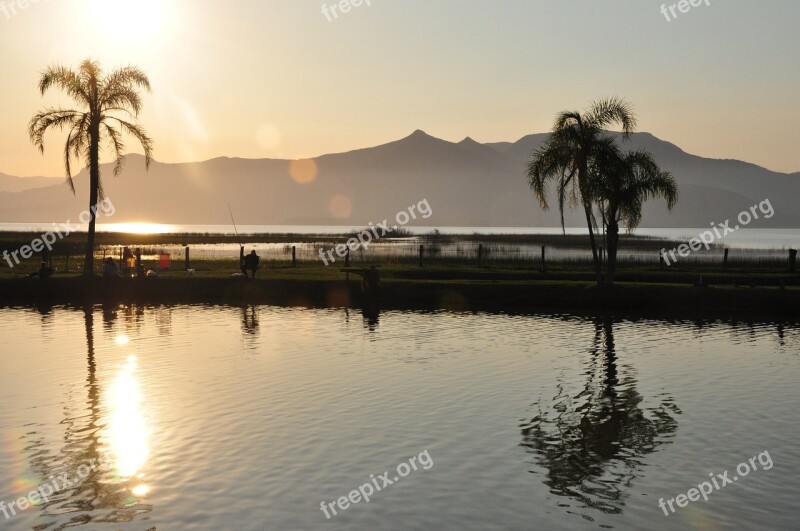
<point x="235" y="230"/>
<point x="238" y="239"/>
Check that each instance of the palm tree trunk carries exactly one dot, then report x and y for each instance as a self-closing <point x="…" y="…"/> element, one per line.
<point x="613" y="241"/>
<point x="583" y="175"/>
<point x="593" y="243"/>
<point x="94" y="187"/>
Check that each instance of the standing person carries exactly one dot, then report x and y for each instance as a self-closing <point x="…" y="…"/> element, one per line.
<point x="251" y="263"/>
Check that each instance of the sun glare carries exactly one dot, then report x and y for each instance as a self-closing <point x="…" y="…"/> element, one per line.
<point x="130" y="22"/>
<point x="138" y="228"/>
<point x="127" y="423"/>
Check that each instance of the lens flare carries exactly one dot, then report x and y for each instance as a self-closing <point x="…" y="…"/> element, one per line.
<point x="340" y="206"/>
<point x="303" y="171"/>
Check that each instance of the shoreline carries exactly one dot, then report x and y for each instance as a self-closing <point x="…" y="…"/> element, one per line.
<point x="645" y="299"/>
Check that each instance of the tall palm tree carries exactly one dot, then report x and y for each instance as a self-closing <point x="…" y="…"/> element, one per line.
<point x="568" y="153"/>
<point x="622" y="182"/>
<point x="106" y="104"/>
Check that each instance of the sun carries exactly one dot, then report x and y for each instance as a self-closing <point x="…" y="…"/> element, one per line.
<point x="129" y="22"/>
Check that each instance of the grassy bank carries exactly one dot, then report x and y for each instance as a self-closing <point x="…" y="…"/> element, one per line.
<point x="463" y="289"/>
<point x="496" y="285"/>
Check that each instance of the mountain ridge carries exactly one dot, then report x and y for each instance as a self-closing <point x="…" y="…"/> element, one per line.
<point x="467" y="183"/>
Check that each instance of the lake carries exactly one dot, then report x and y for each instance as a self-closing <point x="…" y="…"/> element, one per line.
<point x="774" y="238"/>
<point x="261" y="417"/>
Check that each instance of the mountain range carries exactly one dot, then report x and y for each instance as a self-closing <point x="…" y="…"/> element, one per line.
<point x="467" y="184"/>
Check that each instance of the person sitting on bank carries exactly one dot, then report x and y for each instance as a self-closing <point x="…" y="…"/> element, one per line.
<point x="250" y="263"/>
<point x="371" y="280"/>
<point x="110" y="269"/>
<point x="44" y="272"/>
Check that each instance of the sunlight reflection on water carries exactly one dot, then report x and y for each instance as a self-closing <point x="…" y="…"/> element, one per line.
<point x="247" y="418"/>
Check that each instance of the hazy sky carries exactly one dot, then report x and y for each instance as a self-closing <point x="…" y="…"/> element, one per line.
<point x="276" y="78"/>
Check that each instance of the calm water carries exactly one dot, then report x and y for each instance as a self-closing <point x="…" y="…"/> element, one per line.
<point x="249" y="418"/>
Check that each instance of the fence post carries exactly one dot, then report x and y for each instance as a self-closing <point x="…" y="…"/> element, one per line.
<point x="544" y="270"/>
<point x="294" y="256"/>
<point x="792" y="260"/>
<point x="480" y="253"/>
<point x="725" y="261"/>
<point x="661" y="258"/>
<point x="420" y="255"/>
<point x="186" y="258"/>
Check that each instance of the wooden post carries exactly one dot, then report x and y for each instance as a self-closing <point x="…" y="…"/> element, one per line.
<point x="725" y="261"/>
<point x="544" y="270"/>
<point x="661" y="258"/>
<point x="347" y="257"/>
<point x="186" y="258"/>
<point x="294" y="256"/>
<point x="420" y="255"/>
<point x="480" y="253"/>
<point x="792" y="260"/>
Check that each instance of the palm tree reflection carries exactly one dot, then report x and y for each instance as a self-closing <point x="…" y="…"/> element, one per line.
<point x="592" y="445"/>
<point x="109" y="491"/>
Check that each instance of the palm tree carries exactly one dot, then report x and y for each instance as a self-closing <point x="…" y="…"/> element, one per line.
<point x="622" y="182"/>
<point x="568" y="153"/>
<point x="106" y="103"/>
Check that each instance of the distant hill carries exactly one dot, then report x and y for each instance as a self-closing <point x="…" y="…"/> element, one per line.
<point x="12" y="184"/>
<point x="466" y="183"/>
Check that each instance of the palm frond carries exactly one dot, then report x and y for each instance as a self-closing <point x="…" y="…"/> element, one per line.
<point x="50" y="118"/>
<point x="139" y="134"/>
<point x="117" y="145"/>
<point x="605" y="112"/>
<point x="68" y="80"/>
